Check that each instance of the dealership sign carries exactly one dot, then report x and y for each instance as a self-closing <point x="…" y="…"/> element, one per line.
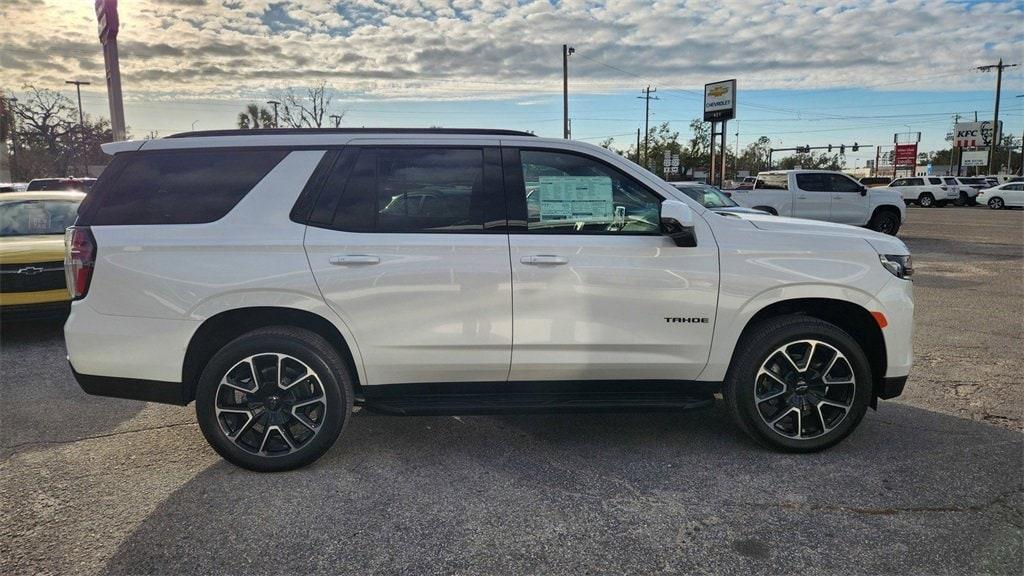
<point x="720" y="101"/>
<point x="906" y="155"/>
<point x="974" y="158"/>
<point x="973" y="134"/>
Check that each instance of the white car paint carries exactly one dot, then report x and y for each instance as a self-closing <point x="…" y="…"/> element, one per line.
<point x="1010" y="194"/>
<point x="465" y="307"/>
<point x="781" y="193"/>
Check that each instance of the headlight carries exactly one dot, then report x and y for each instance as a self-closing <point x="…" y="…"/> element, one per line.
<point x="900" y="266"/>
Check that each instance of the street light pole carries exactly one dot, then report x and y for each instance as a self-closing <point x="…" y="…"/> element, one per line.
<point x="81" y="117"/>
<point x="566" y="51"/>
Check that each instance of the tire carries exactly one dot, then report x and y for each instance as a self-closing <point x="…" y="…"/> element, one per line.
<point x="885" y="221"/>
<point x="962" y="199"/>
<point x="996" y="203"/>
<point x="748" y="388"/>
<point x="259" y="423"/>
<point x="926" y="200"/>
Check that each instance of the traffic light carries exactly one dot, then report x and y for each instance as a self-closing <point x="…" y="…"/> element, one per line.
<point x="842" y="149"/>
<point x="829" y="148"/>
<point x="855" y="147"/>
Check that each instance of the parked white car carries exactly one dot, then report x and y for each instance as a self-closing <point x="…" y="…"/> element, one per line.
<point x="277" y="278"/>
<point x="825" y="195"/>
<point x="1003" y="196"/>
<point x="925" y="191"/>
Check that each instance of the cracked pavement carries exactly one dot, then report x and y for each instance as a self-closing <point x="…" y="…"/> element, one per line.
<point x="932" y="483"/>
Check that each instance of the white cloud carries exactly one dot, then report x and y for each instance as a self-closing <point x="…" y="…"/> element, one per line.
<point x="461" y="48"/>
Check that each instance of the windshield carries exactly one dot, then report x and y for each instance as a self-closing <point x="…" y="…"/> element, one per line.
<point x="29" y="217"/>
<point x="708" y="196"/>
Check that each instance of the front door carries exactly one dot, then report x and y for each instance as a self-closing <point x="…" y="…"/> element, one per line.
<point x="408" y="247"/>
<point x="598" y="292"/>
<point x="812" y="199"/>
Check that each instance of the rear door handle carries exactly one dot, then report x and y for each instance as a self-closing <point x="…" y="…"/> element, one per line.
<point x="801" y="197"/>
<point x="542" y="259"/>
<point x="354" y="259"/>
<point x="838" y="196"/>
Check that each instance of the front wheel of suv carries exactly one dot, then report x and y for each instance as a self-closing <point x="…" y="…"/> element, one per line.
<point x="798" y="384"/>
<point x="926" y="200"/>
<point x="274" y="399"/>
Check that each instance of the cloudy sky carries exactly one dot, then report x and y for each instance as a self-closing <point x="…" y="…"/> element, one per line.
<point x="808" y="71"/>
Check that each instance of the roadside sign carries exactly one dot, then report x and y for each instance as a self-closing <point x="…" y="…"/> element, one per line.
<point x="720" y="101"/>
<point x="973" y="134"/>
<point x="109" y="23"/>
<point x="906" y="154"/>
<point x="974" y="158"/>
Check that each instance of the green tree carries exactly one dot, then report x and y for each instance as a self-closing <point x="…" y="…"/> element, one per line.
<point x="813" y="161"/>
<point x="254" y="117"/>
<point x="754" y="157"/>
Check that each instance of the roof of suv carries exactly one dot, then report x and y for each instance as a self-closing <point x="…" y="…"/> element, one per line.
<point x="310" y="131"/>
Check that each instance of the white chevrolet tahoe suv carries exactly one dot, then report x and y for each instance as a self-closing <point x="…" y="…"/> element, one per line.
<point x="825" y="195"/>
<point x="277" y="278"/>
<point x="925" y="191"/>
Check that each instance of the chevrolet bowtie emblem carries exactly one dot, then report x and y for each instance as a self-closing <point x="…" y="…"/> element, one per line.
<point x="30" y="270"/>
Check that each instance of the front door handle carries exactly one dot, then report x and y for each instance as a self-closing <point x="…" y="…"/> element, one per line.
<point x="802" y="197"/>
<point x="838" y="196"/>
<point x="542" y="259"/>
<point x="354" y="259"/>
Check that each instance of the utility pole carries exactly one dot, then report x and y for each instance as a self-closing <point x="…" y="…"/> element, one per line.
<point x="736" y="154"/>
<point x="1021" y="144"/>
<point x="647" y="117"/>
<point x="337" y="120"/>
<point x="993" y="168"/>
<point x="275" y="104"/>
<point x="638" y="146"/>
<point x="81" y="119"/>
<point x="566" y="51"/>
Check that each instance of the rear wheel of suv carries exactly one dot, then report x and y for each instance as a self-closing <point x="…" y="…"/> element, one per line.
<point x="274" y="399"/>
<point x="798" y="384"/>
<point x="926" y="200"/>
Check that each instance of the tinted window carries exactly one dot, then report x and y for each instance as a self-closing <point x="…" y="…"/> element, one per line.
<point x="27" y="217"/>
<point x="572" y="193"/>
<point x="812" y="182"/>
<point x="411" y="190"/>
<point x="915" y="182"/>
<point x="935" y="180"/>
<point x="840" y="183"/>
<point x="180" y="187"/>
<point x="772" y="182"/>
<point x="951" y="181"/>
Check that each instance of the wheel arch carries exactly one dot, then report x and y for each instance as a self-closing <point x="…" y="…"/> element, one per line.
<point x="851" y="317"/>
<point x="886" y="208"/>
<point x="219" y="329"/>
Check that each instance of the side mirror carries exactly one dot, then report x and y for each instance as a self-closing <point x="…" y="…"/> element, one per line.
<point x="677" y="223"/>
<point x="863" y="190"/>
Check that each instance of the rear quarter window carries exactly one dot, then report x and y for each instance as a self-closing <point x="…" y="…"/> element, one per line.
<point x="177" y="187"/>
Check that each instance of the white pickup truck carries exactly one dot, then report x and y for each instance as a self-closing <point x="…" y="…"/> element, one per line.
<point x="825" y="195"/>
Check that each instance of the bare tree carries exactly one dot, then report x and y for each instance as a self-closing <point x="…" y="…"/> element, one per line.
<point x="307" y="111"/>
<point x="254" y="117"/>
<point x="47" y="115"/>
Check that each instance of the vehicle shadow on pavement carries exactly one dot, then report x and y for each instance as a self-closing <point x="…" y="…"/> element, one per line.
<point x="40" y="393"/>
<point x="911" y="491"/>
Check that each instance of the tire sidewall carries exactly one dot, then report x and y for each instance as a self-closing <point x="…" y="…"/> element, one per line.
<point x="742" y="376"/>
<point x="881" y="217"/>
<point x="995" y="203"/>
<point x="333" y="377"/>
<point x="926" y="200"/>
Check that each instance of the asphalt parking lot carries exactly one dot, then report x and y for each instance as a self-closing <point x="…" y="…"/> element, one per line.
<point x="932" y="483"/>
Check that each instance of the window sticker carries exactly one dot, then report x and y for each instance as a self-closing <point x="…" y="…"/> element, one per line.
<point x="576" y="198"/>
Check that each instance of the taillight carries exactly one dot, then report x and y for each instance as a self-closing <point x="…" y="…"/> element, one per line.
<point x="79" y="260"/>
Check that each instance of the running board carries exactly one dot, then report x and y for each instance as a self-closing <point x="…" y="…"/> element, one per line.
<point x="535" y="402"/>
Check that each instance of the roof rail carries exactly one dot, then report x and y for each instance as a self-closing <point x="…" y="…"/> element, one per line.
<point x="302" y="131"/>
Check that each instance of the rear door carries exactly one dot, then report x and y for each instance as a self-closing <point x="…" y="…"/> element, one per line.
<point x="849" y="206"/>
<point x="599" y="292"/>
<point x="813" y="199"/>
<point x="408" y="245"/>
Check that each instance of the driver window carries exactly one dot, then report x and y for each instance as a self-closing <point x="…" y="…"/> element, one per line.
<point x="567" y="193"/>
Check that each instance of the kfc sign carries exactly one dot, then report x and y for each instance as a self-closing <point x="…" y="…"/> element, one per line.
<point x="973" y="134"/>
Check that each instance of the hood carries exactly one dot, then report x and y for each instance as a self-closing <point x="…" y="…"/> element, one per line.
<point x="882" y="243"/>
<point x="31" y="249"/>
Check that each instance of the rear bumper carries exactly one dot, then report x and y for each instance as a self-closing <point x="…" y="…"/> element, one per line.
<point x="132" y="389"/>
<point x="31" y="312"/>
<point x="892" y="387"/>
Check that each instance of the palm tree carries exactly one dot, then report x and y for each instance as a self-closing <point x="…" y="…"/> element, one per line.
<point x="255" y="117"/>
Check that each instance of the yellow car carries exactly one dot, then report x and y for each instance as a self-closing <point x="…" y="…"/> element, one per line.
<point x="32" y="283"/>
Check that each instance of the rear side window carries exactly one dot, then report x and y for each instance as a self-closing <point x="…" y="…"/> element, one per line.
<point x="915" y="181"/>
<point x="179" y="187"/>
<point x="935" y="180"/>
<point x="772" y="182"/>
<point x="411" y="190"/>
<point x="812" y="182"/>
